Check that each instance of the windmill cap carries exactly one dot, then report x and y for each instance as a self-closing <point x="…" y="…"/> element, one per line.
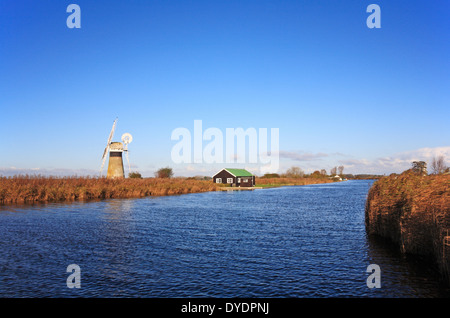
<point x="116" y="146"/>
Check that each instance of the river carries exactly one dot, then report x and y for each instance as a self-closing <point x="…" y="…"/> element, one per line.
<point x="298" y="241"/>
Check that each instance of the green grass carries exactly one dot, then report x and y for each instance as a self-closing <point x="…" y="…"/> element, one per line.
<point x="271" y="185"/>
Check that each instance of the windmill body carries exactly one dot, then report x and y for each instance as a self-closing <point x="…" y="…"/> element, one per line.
<point x="115" y="165"/>
<point x="115" y="150"/>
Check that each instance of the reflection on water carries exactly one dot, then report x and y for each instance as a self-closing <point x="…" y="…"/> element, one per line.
<point x="417" y="277"/>
<point x="306" y="241"/>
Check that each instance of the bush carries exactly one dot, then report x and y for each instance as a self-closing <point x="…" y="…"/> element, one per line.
<point x="164" y="173"/>
<point x="135" y="175"/>
<point x="294" y="172"/>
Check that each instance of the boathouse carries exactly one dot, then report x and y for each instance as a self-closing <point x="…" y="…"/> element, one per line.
<point x="235" y="177"/>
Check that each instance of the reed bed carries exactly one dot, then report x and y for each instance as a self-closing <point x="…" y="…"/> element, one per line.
<point x="28" y="189"/>
<point x="37" y="188"/>
<point x="289" y="181"/>
<point x="413" y="211"/>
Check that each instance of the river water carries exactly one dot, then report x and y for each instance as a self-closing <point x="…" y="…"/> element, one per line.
<point x="300" y="241"/>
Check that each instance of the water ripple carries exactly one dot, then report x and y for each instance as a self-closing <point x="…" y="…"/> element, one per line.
<point x="306" y="241"/>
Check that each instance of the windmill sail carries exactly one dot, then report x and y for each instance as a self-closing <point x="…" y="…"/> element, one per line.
<point x="126" y="139"/>
<point x="111" y="134"/>
<point x="128" y="160"/>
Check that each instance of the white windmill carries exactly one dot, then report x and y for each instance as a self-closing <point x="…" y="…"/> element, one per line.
<point x="115" y="149"/>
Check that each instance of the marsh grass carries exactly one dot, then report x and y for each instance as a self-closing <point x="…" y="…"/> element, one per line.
<point x="279" y="182"/>
<point x="414" y="212"/>
<point x="29" y="189"/>
<point x="37" y="188"/>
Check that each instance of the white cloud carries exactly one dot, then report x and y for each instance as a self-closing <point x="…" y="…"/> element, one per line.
<point x="13" y="171"/>
<point x="309" y="162"/>
<point x="397" y="163"/>
<point x="302" y="156"/>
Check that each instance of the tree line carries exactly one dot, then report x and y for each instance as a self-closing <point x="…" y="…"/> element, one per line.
<point x="297" y="172"/>
<point x="437" y="166"/>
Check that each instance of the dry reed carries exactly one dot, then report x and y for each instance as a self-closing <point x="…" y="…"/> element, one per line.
<point x="414" y="212"/>
<point x="25" y="188"/>
<point x="290" y="181"/>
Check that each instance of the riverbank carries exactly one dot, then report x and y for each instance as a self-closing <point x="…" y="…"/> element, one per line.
<point x="413" y="212"/>
<point x="30" y="189"/>
<point x="281" y="182"/>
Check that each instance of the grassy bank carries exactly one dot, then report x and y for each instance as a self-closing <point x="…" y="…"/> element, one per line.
<point x="414" y="212"/>
<point x="29" y="189"/>
<point x="24" y="189"/>
<point x="279" y="182"/>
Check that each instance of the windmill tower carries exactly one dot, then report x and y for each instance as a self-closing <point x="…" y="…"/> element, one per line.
<point x="116" y="149"/>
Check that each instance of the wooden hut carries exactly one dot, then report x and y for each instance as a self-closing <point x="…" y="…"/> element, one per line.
<point x="235" y="177"/>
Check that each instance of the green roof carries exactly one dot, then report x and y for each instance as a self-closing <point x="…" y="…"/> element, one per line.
<point x="239" y="172"/>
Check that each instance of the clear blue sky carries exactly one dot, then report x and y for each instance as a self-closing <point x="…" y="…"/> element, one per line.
<point x="339" y="92"/>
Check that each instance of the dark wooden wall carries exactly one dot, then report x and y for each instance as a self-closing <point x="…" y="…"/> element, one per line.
<point x="225" y="174"/>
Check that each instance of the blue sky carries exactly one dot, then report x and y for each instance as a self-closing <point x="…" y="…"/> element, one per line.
<point x="339" y="92"/>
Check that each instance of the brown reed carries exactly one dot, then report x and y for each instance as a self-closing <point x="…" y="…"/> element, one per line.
<point x="290" y="181"/>
<point x="413" y="211"/>
<point x="37" y="188"/>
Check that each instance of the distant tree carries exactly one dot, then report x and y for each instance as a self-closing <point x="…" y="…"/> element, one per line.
<point x="135" y="175"/>
<point x="164" y="173"/>
<point x="316" y="174"/>
<point x="333" y="171"/>
<point x="341" y="170"/>
<point x="323" y="172"/>
<point x="419" y="167"/>
<point x="198" y="178"/>
<point x="294" y="172"/>
<point x="438" y="165"/>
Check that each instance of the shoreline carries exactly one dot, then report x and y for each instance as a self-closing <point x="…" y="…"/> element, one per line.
<point x="39" y="189"/>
